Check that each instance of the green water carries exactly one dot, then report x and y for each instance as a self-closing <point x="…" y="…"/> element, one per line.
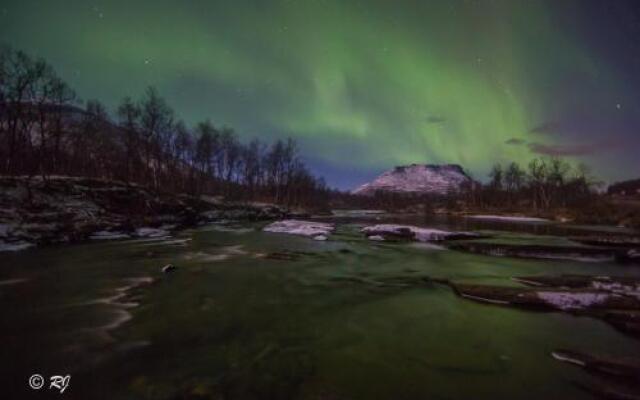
<point x="232" y="324"/>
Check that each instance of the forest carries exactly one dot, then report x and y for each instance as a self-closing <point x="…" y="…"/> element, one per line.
<point x="46" y="130"/>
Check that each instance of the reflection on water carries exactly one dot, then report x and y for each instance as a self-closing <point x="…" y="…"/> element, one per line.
<point x="231" y="322"/>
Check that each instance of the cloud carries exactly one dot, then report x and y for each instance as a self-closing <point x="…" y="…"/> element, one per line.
<point x="515" y="141"/>
<point x="434" y="119"/>
<point x="570" y="149"/>
<point x="546" y="128"/>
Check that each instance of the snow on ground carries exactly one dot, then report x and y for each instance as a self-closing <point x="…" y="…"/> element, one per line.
<point x="417" y="178"/>
<point x="617" y="288"/>
<point x="560" y="356"/>
<point x="508" y="218"/>
<point x="14" y="246"/>
<point x="5" y="229"/>
<point x="572" y="301"/>
<point x="316" y="230"/>
<point x="375" y="232"/>
<point x="151" y="232"/>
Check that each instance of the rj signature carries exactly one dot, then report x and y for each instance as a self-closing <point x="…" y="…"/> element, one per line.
<point x="59" y="382"/>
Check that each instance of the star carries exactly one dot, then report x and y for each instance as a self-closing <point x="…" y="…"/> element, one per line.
<point x="618" y="106"/>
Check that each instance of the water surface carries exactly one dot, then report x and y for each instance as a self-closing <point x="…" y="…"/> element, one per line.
<point x="231" y="323"/>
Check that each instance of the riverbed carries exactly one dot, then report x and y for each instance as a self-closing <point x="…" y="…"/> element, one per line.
<point x="248" y="314"/>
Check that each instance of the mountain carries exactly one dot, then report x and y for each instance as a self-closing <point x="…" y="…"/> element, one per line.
<point x="417" y="179"/>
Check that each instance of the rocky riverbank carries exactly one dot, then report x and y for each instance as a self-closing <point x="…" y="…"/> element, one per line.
<point x="35" y="212"/>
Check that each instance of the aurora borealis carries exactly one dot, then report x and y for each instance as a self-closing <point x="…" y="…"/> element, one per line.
<point x="366" y="85"/>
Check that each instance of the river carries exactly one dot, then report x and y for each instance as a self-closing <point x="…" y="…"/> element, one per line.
<point x="248" y="314"/>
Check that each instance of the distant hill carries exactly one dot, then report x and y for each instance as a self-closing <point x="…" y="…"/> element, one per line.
<point x="625" y="188"/>
<point x="418" y="179"/>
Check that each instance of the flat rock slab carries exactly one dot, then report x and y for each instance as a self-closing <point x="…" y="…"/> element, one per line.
<point x="615" y="300"/>
<point x="628" y="367"/>
<point x="608" y="241"/>
<point x="620" y="376"/>
<point x="549" y="297"/>
<point x="508" y="218"/>
<point x="413" y="233"/>
<point x="592" y="254"/>
<point x="627" y="286"/>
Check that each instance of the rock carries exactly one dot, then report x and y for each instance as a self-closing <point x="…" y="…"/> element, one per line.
<point x="106" y="235"/>
<point x="608" y="241"/>
<point x="409" y="232"/>
<point x="619" y="376"/>
<point x="612" y="391"/>
<point x="507" y="218"/>
<point x="624" y="286"/>
<point x="619" y="367"/>
<point x="541" y="251"/>
<point x="627" y="321"/>
<point x="301" y="228"/>
<point x="548" y="298"/>
<point x="615" y="300"/>
<point x="168" y="268"/>
<point x="59" y="209"/>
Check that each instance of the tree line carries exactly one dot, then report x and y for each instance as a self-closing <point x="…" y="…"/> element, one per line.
<point x="45" y="130"/>
<point x="545" y="183"/>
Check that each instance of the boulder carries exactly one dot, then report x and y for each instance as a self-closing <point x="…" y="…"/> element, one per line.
<point x="168" y="268"/>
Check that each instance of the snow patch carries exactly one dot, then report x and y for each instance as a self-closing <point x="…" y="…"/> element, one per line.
<point x="565" y="358"/>
<point x="302" y="228"/>
<point x="151" y="232"/>
<point x="15" y="246"/>
<point x="572" y="301"/>
<point x="6" y="229"/>
<point x="9" y="282"/>
<point x="418" y="178"/>
<point x="618" y="288"/>
<point x="419" y="234"/>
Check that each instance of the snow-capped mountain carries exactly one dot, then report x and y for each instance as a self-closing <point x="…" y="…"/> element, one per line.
<point x="419" y="179"/>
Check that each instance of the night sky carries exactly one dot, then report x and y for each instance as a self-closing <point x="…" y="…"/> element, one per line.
<point x="366" y="85"/>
